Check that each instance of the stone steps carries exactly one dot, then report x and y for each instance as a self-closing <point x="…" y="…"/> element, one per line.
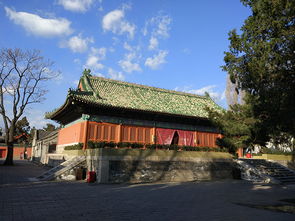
<point x="273" y="170"/>
<point x="61" y="169"/>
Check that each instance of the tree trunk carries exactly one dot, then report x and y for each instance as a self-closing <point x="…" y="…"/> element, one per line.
<point x="9" y="144"/>
<point x="9" y="156"/>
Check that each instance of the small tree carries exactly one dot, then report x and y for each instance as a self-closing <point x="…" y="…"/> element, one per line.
<point x="237" y="126"/>
<point x="22" y="126"/>
<point x="22" y="74"/>
<point x="49" y="127"/>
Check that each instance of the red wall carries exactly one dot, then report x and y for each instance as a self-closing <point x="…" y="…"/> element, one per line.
<point x="71" y="134"/>
<point x="17" y="151"/>
<point x="96" y="131"/>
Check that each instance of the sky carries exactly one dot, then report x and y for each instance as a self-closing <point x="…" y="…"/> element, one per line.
<point x="171" y="44"/>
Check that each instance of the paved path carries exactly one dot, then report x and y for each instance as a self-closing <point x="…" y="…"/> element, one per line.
<point x="218" y="200"/>
<point x="20" y="172"/>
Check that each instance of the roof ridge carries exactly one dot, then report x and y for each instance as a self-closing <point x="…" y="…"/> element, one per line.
<point x="149" y="87"/>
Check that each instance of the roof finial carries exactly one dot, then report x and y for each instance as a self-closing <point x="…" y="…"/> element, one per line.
<point x="86" y="72"/>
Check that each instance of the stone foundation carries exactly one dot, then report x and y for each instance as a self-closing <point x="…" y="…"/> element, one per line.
<point x="137" y="166"/>
<point x="168" y="171"/>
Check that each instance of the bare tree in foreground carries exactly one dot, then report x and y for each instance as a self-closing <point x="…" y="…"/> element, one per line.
<point x="22" y="77"/>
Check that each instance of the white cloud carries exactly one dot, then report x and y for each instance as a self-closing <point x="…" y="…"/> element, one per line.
<point x="93" y="63"/>
<point x="163" y="26"/>
<point x="36" y="118"/>
<point x="78" y="44"/>
<point x="77" y="61"/>
<point x="39" y="26"/>
<point x="100" y="52"/>
<point x="99" y="75"/>
<point x="117" y="75"/>
<point x="111" y="49"/>
<point x="130" y="61"/>
<point x="210" y="89"/>
<point x="153" y="43"/>
<point x="127" y="63"/>
<point x="94" y="58"/>
<point x="127" y="46"/>
<point x="159" y="25"/>
<point x="156" y="60"/>
<point x="76" y="5"/>
<point x="115" y="22"/>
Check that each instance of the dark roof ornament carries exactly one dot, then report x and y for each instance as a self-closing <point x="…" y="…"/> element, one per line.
<point x="86" y="73"/>
<point x="87" y="83"/>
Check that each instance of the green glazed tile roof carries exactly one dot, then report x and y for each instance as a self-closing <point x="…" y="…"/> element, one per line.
<point x="111" y="93"/>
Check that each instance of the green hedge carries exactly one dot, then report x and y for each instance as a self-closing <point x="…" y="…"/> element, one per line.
<point x="95" y="145"/>
<point x="78" y="146"/>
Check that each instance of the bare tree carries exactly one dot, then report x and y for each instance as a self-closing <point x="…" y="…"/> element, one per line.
<point x="22" y="77"/>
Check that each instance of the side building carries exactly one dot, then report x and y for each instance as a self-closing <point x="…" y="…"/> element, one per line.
<point x="102" y="109"/>
<point x="44" y="147"/>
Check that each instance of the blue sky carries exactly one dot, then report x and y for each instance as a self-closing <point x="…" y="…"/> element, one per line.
<point x="171" y="44"/>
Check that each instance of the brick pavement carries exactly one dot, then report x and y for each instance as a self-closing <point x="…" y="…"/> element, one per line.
<point x="20" y="172"/>
<point x="217" y="200"/>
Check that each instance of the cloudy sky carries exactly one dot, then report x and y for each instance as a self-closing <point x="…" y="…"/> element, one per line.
<point x="171" y="44"/>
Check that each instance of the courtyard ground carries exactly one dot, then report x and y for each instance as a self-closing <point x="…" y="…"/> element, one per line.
<point x="21" y="199"/>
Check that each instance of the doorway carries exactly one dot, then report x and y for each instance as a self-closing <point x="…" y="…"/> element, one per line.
<point x="175" y="138"/>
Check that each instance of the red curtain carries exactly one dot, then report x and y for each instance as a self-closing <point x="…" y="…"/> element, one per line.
<point x="165" y="136"/>
<point x="186" y="138"/>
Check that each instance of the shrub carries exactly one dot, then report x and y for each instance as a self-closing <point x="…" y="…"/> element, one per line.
<point x="120" y="144"/>
<point x="91" y="144"/>
<point x="150" y="146"/>
<point x="78" y="146"/>
<point x="111" y="144"/>
<point x="174" y="147"/>
<point x="166" y="147"/>
<point x="159" y="146"/>
<point x="136" y="145"/>
<point x="103" y="144"/>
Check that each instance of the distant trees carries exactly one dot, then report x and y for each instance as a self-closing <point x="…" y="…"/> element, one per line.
<point x="22" y="77"/>
<point x="49" y="127"/>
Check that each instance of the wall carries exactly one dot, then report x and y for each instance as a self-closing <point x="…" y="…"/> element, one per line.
<point x="140" y="134"/>
<point x="69" y="135"/>
<point x="17" y="152"/>
<point x="135" y="166"/>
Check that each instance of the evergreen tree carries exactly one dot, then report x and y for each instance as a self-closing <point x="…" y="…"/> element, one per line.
<point x="236" y="125"/>
<point x="22" y="126"/>
<point x="261" y="61"/>
<point x="49" y="127"/>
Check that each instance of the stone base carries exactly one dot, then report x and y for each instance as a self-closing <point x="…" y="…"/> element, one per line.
<point x="167" y="171"/>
